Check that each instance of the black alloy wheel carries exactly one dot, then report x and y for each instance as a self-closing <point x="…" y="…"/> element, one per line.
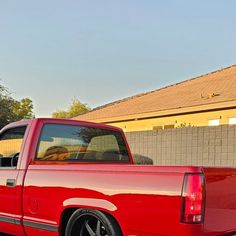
<point x="86" y="222"/>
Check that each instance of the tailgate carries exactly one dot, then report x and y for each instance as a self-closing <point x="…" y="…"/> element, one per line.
<point x="220" y="211"/>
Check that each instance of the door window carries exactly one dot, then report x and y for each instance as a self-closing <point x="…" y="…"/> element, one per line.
<point x="10" y="145"/>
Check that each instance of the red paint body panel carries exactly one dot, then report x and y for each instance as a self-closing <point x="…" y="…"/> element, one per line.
<point x="220" y="215"/>
<point x="125" y="192"/>
<point x="145" y="200"/>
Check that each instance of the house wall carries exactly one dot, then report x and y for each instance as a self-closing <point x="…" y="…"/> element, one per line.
<point x="196" y="119"/>
<point x="199" y="146"/>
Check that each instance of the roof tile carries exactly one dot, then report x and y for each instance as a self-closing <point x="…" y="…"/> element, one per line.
<point x="218" y="86"/>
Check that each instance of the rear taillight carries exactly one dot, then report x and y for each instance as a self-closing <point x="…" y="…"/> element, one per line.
<point x="193" y="198"/>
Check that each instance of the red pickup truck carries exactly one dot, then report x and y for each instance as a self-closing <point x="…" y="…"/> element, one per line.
<point x="68" y="178"/>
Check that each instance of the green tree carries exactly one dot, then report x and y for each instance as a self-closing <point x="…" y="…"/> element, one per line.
<point x="60" y="114"/>
<point x="76" y="108"/>
<point x="24" y="108"/>
<point x="6" y="105"/>
<point x="12" y="110"/>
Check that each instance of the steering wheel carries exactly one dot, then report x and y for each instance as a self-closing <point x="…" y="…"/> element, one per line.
<point x="14" y="159"/>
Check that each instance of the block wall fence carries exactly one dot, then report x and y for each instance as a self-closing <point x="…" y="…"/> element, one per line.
<point x="199" y="146"/>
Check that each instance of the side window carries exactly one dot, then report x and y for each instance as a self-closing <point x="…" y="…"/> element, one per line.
<point x="82" y="144"/>
<point x="214" y="122"/>
<point x="10" y="145"/>
<point x="232" y="121"/>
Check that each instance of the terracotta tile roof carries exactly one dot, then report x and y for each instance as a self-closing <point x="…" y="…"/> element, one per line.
<point x="215" y="87"/>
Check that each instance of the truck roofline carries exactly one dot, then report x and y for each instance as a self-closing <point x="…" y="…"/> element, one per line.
<point x="17" y="123"/>
<point x="56" y="120"/>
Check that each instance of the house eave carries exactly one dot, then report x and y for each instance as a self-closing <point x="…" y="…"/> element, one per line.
<point x="169" y="112"/>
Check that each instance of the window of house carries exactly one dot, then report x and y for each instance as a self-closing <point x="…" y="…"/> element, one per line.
<point x="232" y="121"/>
<point x="10" y="145"/>
<point x="157" y="127"/>
<point x="169" y="126"/>
<point x="82" y="144"/>
<point x="214" y="122"/>
<point x="160" y="127"/>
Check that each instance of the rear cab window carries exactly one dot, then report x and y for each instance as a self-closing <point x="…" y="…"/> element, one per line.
<point x="72" y="143"/>
<point x="10" y="146"/>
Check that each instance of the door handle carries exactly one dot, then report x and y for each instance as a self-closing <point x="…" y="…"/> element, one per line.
<point x="11" y="183"/>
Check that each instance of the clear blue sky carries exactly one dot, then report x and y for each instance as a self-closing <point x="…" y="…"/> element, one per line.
<point x="100" y="51"/>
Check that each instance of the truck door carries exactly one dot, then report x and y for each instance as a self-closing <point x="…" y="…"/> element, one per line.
<point x="10" y="194"/>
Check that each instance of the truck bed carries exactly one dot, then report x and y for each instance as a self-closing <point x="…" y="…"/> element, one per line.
<point x="220" y="212"/>
<point x="131" y="193"/>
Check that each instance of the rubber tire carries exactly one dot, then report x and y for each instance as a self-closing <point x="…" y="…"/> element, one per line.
<point x="110" y="224"/>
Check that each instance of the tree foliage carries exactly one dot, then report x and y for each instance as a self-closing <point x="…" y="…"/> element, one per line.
<point x="12" y="110"/>
<point x="24" y="108"/>
<point x="76" y="108"/>
<point x="6" y="104"/>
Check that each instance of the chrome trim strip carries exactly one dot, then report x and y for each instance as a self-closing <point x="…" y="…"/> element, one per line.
<point x="27" y="223"/>
<point x="42" y="226"/>
<point x="9" y="220"/>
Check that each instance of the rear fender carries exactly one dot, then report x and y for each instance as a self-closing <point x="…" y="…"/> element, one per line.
<point x="98" y="204"/>
<point x="70" y="205"/>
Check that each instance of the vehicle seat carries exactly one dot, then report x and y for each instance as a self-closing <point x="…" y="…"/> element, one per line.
<point x="111" y="155"/>
<point x="56" y="153"/>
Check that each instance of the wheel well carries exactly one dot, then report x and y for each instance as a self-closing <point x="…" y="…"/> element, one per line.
<point x="113" y="219"/>
<point x="69" y="211"/>
<point x="64" y="219"/>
